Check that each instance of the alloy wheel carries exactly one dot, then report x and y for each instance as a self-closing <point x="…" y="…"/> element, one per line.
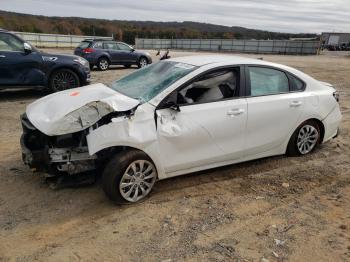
<point x="307" y="139"/>
<point x="143" y="62"/>
<point x="64" y="80"/>
<point x="138" y="180"/>
<point x="103" y="64"/>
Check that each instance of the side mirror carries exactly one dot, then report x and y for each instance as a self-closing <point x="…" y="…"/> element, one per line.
<point x="27" y="48"/>
<point x="132" y="50"/>
<point x="172" y="105"/>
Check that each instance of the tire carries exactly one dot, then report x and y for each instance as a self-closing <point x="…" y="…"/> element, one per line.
<point x="122" y="180"/>
<point x="127" y="66"/>
<point x="63" y="79"/>
<point x="103" y="64"/>
<point x="142" y="62"/>
<point x="309" y="134"/>
<point x="91" y="66"/>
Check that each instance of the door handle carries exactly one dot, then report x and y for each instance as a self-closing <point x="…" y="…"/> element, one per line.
<point x="296" y="103"/>
<point x="2" y="56"/>
<point x="235" y="112"/>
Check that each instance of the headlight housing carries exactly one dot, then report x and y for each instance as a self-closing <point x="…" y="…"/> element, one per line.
<point x="82" y="61"/>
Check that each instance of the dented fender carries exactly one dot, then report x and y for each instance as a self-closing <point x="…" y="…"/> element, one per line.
<point x="137" y="131"/>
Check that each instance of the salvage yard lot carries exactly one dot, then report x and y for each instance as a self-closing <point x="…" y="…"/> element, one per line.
<point x="279" y="208"/>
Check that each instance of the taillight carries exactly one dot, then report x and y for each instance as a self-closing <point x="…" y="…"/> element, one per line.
<point x="336" y="96"/>
<point x="88" y="50"/>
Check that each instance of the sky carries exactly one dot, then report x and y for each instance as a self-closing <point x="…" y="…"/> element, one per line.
<point x="292" y="16"/>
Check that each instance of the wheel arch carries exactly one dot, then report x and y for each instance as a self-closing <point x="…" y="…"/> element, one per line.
<point x="313" y="119"/>
<point x="143" y="56"/>
<point x="320" y="125"/>
<point x="107" y="153"/>
<point x="104" y="56"/>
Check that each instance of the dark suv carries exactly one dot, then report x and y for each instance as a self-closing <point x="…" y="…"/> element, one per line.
<point x="104" y="53"/>
<point x="22" y="65"/>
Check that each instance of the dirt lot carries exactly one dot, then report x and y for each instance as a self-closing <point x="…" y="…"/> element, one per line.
<point x="280" y="209"/>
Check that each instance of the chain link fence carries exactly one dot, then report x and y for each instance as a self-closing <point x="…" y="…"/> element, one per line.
<point x="287" y="47"/>
<point x="55" y="41"/>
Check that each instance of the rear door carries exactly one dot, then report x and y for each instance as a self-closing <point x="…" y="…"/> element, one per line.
<point x="18" y="67"/>
<point x="273" y="110"/>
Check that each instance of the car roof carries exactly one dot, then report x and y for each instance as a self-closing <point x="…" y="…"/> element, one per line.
<point x="201" y="60"/>
<point x="96" y="39"/>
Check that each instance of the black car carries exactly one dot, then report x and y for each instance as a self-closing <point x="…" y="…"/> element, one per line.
<point x="22" y="65"/>
<point x="103" y="53"/>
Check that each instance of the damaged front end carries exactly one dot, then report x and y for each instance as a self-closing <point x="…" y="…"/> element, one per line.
<point x="55" y="128"/>
<point x="54" y="154"/>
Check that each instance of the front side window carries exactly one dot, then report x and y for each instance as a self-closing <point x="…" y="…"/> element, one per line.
<point x="267" y="81"/>
<point x="10" y="43"/>
<point x="214" y="86"/>
<point x="146" y="83"/>
<point x="124" y="47"/>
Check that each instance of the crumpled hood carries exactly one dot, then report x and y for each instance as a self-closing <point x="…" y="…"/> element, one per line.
<point x="76" y="109"/>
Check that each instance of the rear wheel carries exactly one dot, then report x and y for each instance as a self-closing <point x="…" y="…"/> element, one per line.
<point x="129" y="177"/>
<point x="305" y="139"/>
<point x="63" y="79"/>
<point x="103" y="64"/>
<point x="142" y="62"/>
<point x="91" y="66"/>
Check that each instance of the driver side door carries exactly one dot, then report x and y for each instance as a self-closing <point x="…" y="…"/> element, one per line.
<point x="208" y="126"/>
<point x="126" y="53"/>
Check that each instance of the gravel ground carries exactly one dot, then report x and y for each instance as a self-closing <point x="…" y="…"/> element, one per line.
<point x="279" y="208"/>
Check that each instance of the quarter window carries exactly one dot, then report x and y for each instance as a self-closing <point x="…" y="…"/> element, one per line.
<point x="296" y="84"/>
<point x="267" y="81"/>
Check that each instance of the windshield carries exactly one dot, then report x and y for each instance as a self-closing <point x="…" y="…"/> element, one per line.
<point x="146" y="83"/>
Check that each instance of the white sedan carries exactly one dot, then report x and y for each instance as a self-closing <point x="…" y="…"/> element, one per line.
<point x="176" y="117"/>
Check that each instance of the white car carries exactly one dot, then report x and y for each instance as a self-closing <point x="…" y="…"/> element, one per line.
<point x="176" y="117"/>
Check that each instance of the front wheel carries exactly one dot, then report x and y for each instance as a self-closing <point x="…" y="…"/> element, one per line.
<point x="305" y="139"/>
<point x="63" y="79"/>
<point x="143" y="62"/>
<point x="129" y="177"/>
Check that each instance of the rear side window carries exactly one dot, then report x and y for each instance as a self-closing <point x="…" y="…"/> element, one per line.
<point x="111" y="45"/>
<point x="267" y="81"/>
<point x="84" y="44"/>
<point x="98" y="45"/>
<point x="296" y="85"/>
